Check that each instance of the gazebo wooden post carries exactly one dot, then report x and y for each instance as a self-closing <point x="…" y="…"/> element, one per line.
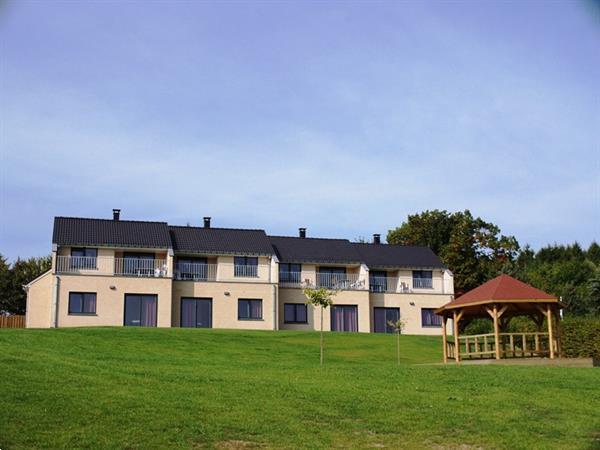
<point x="496" y="331"/>
<point x="558" y="335"/>
<point x="550" y="333"/>
<point x="445" y="338"/>
<point x="456" y="319"/>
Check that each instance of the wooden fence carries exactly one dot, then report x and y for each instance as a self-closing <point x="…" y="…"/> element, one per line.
<point x="12" y="321"/>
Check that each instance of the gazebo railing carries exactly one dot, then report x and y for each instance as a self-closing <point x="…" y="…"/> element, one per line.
<point x="512" y="345"/>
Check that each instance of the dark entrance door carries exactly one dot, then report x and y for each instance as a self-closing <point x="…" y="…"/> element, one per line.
<point x="344" y="318"/>
<point x="383" y="316"/>
<point x="140" y="310"/>
<point x="196" y="312"/>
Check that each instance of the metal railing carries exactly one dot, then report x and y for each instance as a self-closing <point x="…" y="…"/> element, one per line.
<point x="290" y="279"/>
<point x="196" y="271"/>
<point x="248" y="271"/>
<point x="383" y="284"/>
<point x="107" y="265"/>
<point x="422" y="283"/>
<point x="342" y="281"/>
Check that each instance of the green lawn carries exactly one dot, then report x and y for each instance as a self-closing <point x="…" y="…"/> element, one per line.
<point x="166" y="388"/>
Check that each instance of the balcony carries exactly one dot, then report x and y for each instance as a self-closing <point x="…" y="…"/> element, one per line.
<point x="196" y="272"/>
<point x="382" y="285"/>
<point x="341" y="281"/>
<point x="245" y="271"/>
<point x="290" y="279"/>
<point x="422" y="283"/>
<point x="107" y="265"/>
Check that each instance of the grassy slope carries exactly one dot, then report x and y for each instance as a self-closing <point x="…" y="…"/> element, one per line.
<point x="140" y="388"/>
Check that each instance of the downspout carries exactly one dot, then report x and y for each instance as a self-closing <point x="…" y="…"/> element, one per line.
<point x="275" y="304"/>
<point x="26" y="289"/>
<point x="54" y="308"/>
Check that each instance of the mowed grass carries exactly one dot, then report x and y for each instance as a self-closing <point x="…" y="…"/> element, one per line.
<point x="182" y="388"/>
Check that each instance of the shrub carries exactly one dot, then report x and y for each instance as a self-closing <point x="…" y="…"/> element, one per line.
<point x="581" y="337"/>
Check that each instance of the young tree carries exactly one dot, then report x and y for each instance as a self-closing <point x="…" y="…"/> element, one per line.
<point x="322" y="298"/>
<point x="397" y="327"/>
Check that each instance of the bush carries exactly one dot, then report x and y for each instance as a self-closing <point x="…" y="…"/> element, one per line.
<point x="581" y="337"/>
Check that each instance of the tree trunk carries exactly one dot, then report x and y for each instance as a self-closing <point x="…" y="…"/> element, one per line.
<point x="321" y="335"/>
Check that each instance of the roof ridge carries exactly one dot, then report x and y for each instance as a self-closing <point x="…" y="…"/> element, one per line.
<point x="305" y="238"/>
<point x="110" y="220"/>
<point x="498" y="281"/>
<point x="216" y="228"/>
<point x="391" y="245"/>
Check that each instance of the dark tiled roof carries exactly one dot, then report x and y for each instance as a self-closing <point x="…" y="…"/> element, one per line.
<point x="103" y="232"/>
<point x="314" y="250"/>
<point x="220" y="240"/>
<point x="385" y="255"/>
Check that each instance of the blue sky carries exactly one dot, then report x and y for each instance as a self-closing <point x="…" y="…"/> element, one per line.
<point x="342" y="117"/>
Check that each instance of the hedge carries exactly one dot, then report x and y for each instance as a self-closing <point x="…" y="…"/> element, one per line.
<point x="581" y="337"/>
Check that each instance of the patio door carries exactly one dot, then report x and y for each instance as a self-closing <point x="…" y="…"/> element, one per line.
<point x="384" y="315"/>
<point x="344" y="318"/>
<point x="196" y="312"/>
<point x="140" y="310"/>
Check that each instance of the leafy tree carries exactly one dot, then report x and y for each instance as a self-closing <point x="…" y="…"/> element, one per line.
<point x="472" y="248"/>
<point x="12" y="278"/>
<point x="5" y="282"/>
<point x="321" y="298"/>
<point x="397" y="328"/>
<point x="593" y="253"/>
<point x="566" y="271"/>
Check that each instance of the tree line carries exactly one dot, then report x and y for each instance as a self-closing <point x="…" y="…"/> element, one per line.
<point x="14" y="276"/>
<point x="473" y="249"/>
<point x="476" y="251"/>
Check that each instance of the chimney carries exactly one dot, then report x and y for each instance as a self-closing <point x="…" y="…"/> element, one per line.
<point x="207" y="222"/>
<point x="116" y="214"/>
<point x="302" y="232"/>
<point x="376" y="239"/>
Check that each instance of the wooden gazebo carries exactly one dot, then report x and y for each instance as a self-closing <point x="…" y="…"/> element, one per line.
<point x="501" y="299"/>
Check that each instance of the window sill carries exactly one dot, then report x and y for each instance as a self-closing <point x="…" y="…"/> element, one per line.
<point x="82" y="314"/>
<point x="251" y="320"/>
<point x="431" y="326"/>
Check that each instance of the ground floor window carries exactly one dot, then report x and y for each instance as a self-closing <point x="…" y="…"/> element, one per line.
<point x="140" y="310"/>
<point x="196" y="312"/>
<point x="382" y="318"/>
<point x="249" y="309"/>
<point x="294" y="313"/>
<point x="82" y="303"/>
<point x="429" y="318"/>
<point x="344" y="318"/>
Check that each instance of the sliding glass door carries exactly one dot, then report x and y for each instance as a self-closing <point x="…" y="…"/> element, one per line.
<point x="344" y="318"/>
<point x="383" y="316"/>
<point x="196" y="312"/>
<point x="140" y="310"/>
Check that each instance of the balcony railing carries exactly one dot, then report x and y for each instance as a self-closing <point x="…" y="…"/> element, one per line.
<point x="342" y="281"/>
<point x="422" y="283"/>
<point x="196" y="272"/>
<point x="383" y="284"/>
<point x="107" y="265"/>
<point x="290" y="279"/>
<point x="248" y="271"/>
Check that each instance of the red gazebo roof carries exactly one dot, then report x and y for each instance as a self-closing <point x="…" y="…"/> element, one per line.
<point x="502" y="289"/>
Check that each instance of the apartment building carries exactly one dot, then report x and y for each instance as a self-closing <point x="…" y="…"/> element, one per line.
<point x="113" y="272"/>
